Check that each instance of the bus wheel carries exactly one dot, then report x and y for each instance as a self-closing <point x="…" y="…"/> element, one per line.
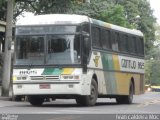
<point x="89" y="100"/>
<point x="36" y="100"/>
<point x="127" y="99"/>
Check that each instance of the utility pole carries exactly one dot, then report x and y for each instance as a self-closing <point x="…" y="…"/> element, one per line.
<point x="7" y="53"/>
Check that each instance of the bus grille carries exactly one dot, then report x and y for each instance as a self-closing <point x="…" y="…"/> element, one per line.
<point x="44" y="77"/>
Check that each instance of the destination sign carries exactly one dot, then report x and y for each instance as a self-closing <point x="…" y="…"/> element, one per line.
<point x="131" y="64"/>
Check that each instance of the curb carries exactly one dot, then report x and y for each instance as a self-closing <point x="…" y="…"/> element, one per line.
<point x="6" y="98"/>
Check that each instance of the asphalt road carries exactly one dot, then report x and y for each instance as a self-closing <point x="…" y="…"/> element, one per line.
<point x="149" y="104"/>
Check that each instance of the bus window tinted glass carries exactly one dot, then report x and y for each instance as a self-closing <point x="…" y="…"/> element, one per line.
<point x="96" y="37"/>
<point x="132" y="44"/>
<point x="115" y="41"/>
<point x="123" y="43"/>
<point x="105" y="39"/>
<point x="140" y="46"/>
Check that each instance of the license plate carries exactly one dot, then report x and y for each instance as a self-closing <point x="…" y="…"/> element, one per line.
<point x="44" y="86"/>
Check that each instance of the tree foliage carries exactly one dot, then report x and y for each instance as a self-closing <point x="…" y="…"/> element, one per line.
<point x="3" y="7"/>
<point x="147" y="24"/>
<point x="20" y="7"/>
<point x="49" y="6"/>
<point x="130" y="10"/>
<point x="152" y="66"/>
<point x="152" y="73"/>
<point x="115" y="15"/>
<point x="104" y="10"/>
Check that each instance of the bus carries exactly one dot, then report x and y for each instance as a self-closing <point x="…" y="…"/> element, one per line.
<point x="69" y="56"/>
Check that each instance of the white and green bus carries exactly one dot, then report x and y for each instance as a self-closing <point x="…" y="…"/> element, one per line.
<point x="62" y="56"/>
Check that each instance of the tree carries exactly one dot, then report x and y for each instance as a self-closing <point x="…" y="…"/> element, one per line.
<point x="104" y="10"/>
<point x="152" y="74"/>
<point x="115" y="15"/>
<point x="19" y="7"/>
<point x="152" y="66"/>
<point x="148" y="71"/>
<point x="130" y="10"/>
<point x="147" y="24"/>
<point x="155" y="76"/>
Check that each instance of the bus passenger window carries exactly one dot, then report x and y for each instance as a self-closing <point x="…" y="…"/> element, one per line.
<point x="115" y="37"/>
<point x="123" y="43"/>
<point x="132" y="44"/>
<point x="105" y="39"/>
<point x="96" y="37"/>
<point x="140" y="46"/>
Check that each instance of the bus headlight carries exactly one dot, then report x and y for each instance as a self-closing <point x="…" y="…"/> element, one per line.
<point x="14" y="78"/>
<point x="70" y="77"/>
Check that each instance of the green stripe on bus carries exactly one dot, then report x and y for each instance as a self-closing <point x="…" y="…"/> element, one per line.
<point x="111" y="84"/>
<point x="107" y="61"/>
<point x="52" y="71"/>
<point x="110" y="78"/>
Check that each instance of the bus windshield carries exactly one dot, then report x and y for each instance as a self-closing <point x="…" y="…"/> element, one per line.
<point x="30" y="50"/>
<point x="47" y="49"/>
<point x="63" y="49"/>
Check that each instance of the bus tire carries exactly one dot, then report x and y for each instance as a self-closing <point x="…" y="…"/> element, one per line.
<point x="126" y="99"/>
<point x="36" y="100"/>
<point x="89" y="100"/>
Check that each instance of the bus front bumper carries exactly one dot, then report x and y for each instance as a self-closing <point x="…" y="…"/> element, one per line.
<point x="50" y="89"/>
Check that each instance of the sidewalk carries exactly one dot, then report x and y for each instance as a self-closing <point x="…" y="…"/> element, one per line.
<point x="5" y="98"/>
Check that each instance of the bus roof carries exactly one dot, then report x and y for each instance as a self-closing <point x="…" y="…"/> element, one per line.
<point x="53" y="19"/>
<point x="50" y="19"/>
